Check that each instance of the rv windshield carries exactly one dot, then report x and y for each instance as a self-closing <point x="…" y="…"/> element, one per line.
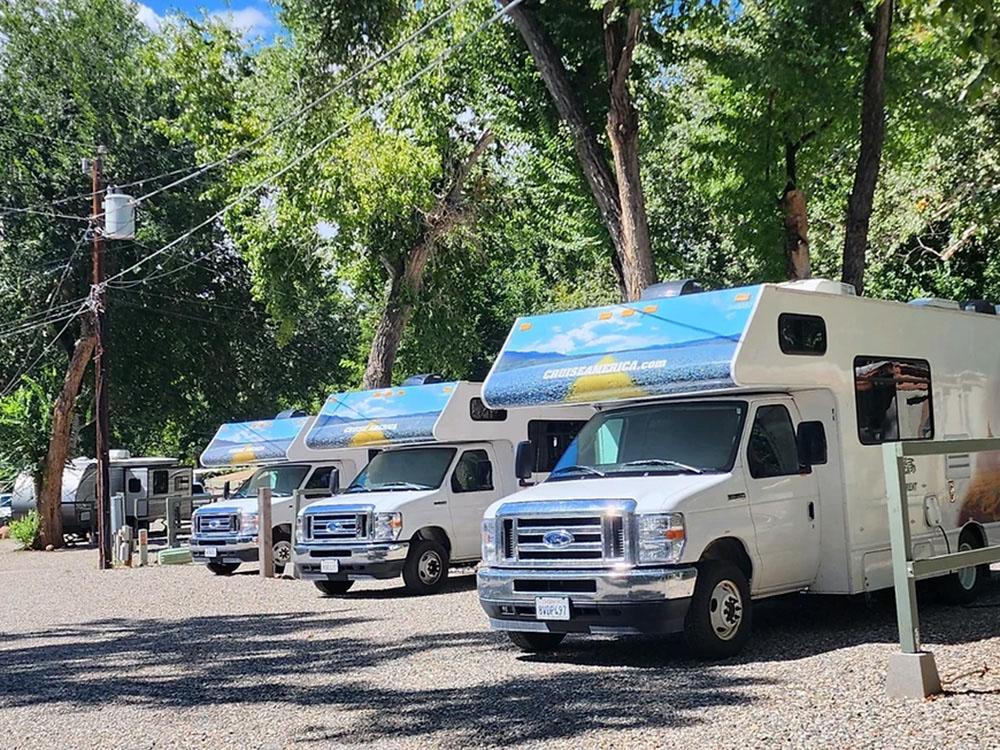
<point x="411" y="469"/>
<point x="282" y="480"/>
<point x="692" y="437"/>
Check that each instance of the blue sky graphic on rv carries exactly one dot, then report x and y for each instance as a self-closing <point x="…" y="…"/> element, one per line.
<point x="240" y="443"/>
<point x="634" y="350"/>
<point x="381" y="417"/>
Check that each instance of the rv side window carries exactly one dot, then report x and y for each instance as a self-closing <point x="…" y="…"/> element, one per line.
<point x="161" y="482"/>
<point x="473" y="473"/>
<point x="480" y="412"/>
<point x="893" y="399"/>
<point x="134" y="485"/>
<point x="802" y="334"/>
<point x="771" y="451"/>
<point x="320" y="479"/>
<point x="551" y="439"/>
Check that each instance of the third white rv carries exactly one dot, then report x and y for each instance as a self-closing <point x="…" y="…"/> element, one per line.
<point x="736" y="455"/>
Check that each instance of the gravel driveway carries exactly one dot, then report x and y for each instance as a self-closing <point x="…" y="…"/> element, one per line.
<point x="176" y="657"/>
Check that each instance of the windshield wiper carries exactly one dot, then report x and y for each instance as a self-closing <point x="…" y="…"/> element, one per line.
<point x="402" y="486"/>
<point x="577" y="467"/>
<point x="664" y="462"/>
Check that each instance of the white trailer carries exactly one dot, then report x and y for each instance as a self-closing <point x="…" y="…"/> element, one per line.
<point x="224" y="533"/>
<point x="417" y="507"/>
<point x="735" y="456"/>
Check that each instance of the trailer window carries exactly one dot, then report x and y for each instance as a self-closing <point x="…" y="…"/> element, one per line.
<point x="893" y="399"/>
<point x="480" y="412"/>
<point x="473" y="473"/>
<point x="771" y="451"/>
<point x="802" y="334"/>
<point x="551" y="438"/>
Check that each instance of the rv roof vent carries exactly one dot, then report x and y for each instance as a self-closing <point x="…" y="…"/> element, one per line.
<point x="424" y="379"/>
<point x="119" y="454"/>
<point x="823" y="286"/>
<point x="672" y="289"/>
<point x="944" y="304"/>
<point x="980" y="306"/>
<point x="289" y="413"/>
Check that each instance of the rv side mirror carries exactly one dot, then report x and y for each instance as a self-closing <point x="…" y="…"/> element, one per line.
<point x="811" y="442"/>
<point x="524" y="460"/>
<point x="226" y="489"/>
<point x="334" y="485"/>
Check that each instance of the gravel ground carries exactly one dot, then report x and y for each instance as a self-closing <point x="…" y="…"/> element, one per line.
<point x="175" y="657"/>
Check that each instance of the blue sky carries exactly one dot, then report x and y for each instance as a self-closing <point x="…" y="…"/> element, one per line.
<point x="253" y="17"/>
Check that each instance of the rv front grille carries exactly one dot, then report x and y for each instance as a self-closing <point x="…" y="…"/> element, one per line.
<point x="332" y="526"/>
<point x="564" y="540"/>
<point x="217" y="523"/>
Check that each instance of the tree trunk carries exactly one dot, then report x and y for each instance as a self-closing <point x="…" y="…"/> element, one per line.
<point x="623" y="134"/>
<point x="50" y="497"/>
<point x="793" y="203"/>
<point x="618" y="195"/>
<point x="859" y="205"/>
<point x="405" y="283"/>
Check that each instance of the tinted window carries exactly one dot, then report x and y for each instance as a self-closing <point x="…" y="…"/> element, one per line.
<point x="409" y="469"/>
<point x="551" y="439"/>
<point x="771" y="450"/>
<point x="281" y="479"/>
<point x="480" y="412"/>
<point x="473" y="473"/>
<point x="161" y="482"/>
<point x="320" y="479"/>
<point x="893" y="399"/>
<point x="135" y="485"/>
<point x="802" y="334"/>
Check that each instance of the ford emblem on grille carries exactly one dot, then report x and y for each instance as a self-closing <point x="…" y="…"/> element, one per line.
<point x="214" y="523"/>
<point x="557" y="539"/>
<point x="334" y="527"/>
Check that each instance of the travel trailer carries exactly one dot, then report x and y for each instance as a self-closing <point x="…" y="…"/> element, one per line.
<point x="145" y="481"/>
<point x="736" y="455"/>
<point x="224" y="533"/>
<point x="416" y="508"/>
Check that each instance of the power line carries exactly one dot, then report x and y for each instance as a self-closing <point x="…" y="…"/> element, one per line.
<point x="399" y="91"/>
<point x="46" y="136"/>
<point x="14" y="381"/>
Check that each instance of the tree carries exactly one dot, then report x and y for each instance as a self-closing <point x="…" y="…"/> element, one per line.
<point x="859" y="204"/>
<point x="618" y="194"/>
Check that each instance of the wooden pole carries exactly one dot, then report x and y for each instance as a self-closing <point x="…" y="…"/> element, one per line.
<point x="264" y="537"/>
<point x="102" y="429"/>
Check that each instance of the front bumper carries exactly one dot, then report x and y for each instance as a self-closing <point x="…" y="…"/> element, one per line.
<point x="621" y="602"/>
<point x="232" y="549"/>
<point x="378" y="560"/>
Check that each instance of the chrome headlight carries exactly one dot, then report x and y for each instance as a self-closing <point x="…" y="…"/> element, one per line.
<point x="387" y="527"/>
<point x="249" y="522"/>
<point x="300" y="523"/>
<point x="489" y="540"/>
<point x="661" y="538"/>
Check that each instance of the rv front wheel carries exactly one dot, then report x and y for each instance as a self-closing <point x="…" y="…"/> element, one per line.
<point x="964" y="586"/>
<point x="717" y="625"/>
<point x="426" y="568"/>
<point x="536" y="642"/>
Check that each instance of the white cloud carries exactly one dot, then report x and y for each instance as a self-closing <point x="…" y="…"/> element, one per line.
<point x="249" y="20"/>
<point x="148" y="17"/>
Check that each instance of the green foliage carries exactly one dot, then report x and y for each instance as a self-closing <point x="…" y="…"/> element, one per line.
<point x="26" y="529"/>
<point x="25" y="419"/>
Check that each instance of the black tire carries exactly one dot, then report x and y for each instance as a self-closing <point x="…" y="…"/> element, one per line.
<point x="964" y="586"/>
<point x="718" y="621"/>
<point x="426" y="568"/>
<point x="332" y="588"/>
<point x="223" y="569"/>
<point x="535" y="643"/>
<point x="281" y="544"/>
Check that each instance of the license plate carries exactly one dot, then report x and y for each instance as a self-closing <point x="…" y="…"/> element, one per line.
<point x="551" y="608"/>
<point x="329" y="566"/>
<point x="211" y="552"/>
<point x="85" y="516"/>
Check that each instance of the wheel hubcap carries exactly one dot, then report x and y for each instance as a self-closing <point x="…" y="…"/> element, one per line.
<point x="429" y="567"/>
<point x="967" y="576"/>
<point x="282" y="553"/>
<point x="726" y="610"/>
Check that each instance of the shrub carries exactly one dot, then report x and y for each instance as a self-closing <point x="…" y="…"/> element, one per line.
<point x="25" y="530"/>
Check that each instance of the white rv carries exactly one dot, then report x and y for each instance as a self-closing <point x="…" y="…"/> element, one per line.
<point x="735" y="455"/>
<point x="417" y="507"/>
<point x="145" y="482"/>
<point x="224" y="533"/>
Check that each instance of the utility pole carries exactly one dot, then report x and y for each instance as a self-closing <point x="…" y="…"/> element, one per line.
<point x="101" y="366"/>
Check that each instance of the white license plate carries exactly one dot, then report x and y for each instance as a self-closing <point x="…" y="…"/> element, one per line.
<point x="85" y="516"/>
<point x="329" y="566"/>
<point x="211" y="552"/>
<point x="551" y="608"/>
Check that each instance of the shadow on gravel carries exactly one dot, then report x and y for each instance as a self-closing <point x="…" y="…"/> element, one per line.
<point x="455" y="583"/>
